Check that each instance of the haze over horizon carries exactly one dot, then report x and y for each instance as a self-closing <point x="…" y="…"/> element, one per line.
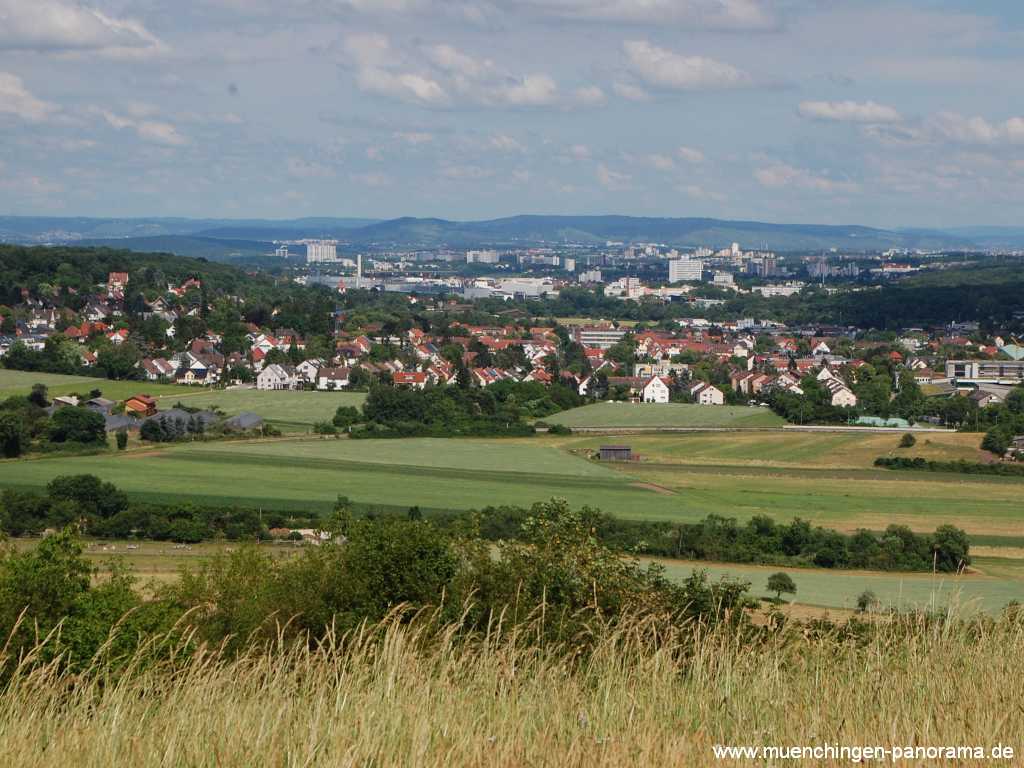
<point x="787" y="111"/>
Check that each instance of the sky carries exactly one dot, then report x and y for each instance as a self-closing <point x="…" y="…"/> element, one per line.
<point x="895" y="114"/>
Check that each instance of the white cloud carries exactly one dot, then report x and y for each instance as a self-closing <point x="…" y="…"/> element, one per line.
<point x="466" y="172"/>
<point x="506" y="144"/>
<point x="376" y="180"/>
<point x="55" y="25"/>
<point x="661" y="68"/>
<point x="610" y="179"/>
<point x="579" y="151"/>
<point x="452" y="60"/>
<point x="630" y="92"/>
<point x="152" y="131"/>
<point x="977" y="130"/>
<point x="589" y="96"/>
<point x="530" y="91"/>
<point x="377" y="72"/>
<point x="709" y="14"/>
<point x="780" y="175"/>
<point x="849" y="111"/>
<point x="699" y="193"/>
<point x="16" y="100"/>
<point x="441" y="75"/>
<point x="157" y="132"/>
<point x="405" y="86"/>
<point x="690" y="155"/>
<point x="661" y="162"/>
<point x="415" y="138"/>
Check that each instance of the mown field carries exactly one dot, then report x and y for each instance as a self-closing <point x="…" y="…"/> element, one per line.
<point x="834" y="486"/>
<point x="287" y="410"/>
<point x="680" y="415"/>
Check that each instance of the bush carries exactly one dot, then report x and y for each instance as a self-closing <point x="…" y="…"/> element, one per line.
<point x="908" y="441"/>
<point x="346" y="416"/>
<point x="122" y="439"/>
<point x="559" y="429"/>
<point x="13" y="437"/>
<point x="325" y="428"/>
<point x="78" y="425"/>
<point x="966" y="467"/>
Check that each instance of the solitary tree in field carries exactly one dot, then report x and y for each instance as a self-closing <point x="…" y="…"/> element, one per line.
<point x="779" y="583"/>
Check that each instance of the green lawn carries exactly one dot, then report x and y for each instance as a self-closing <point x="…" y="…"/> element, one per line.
<point x="616" y="415"/>
<point x="998" y="582"/>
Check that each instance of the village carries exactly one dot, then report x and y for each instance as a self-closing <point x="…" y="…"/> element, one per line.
<point x="858" y="375"/>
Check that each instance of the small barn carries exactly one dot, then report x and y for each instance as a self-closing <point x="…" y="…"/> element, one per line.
<point x="616" y="453"/>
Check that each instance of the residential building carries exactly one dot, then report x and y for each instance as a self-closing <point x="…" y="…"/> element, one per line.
<point x="685" y="269"/>
<point x="1009" y="372"/>
<point x="322" y="252"/>
<point x="656" y="390"/>
<point x="276" y="376"/>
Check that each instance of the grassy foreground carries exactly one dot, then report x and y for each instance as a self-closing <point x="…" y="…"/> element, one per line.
<point x="392" y="695"/>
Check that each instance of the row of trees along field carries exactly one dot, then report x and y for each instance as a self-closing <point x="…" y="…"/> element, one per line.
<point x="557" y="572"/>
<point x="100" y="509"/>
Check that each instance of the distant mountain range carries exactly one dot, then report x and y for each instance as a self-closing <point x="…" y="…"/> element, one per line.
<point x="248" y="239"/>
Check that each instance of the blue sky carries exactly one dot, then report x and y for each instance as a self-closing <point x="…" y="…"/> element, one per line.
<point x="855" y="111"/>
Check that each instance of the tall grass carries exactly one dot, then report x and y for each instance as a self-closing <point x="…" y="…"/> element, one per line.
<point x="411" y="693"/>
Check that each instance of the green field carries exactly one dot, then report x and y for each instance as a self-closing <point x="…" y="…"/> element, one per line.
<point x="826" y="478"/>
<point x="998" y="582"/>
<point x="288" y="410"/>
<point x="20" y="383"/>
<point x="292" y="411"/>
<point x="819" y="450"/>
<point x="461" y="474"/>
<point x="624" y="415"/>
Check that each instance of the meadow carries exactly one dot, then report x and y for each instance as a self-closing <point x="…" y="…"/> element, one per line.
<point x="994" y="582"/>
<point x="395" y="694"/>
<point x="675" y="415"/>
<point x="290" y="411"/>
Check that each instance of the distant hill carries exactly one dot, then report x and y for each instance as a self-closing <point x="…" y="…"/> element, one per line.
<point x="252" y="235"/>
<point x="49" y="229"/>
<point x="677" y="232"/>
<point x="248" y="252"/>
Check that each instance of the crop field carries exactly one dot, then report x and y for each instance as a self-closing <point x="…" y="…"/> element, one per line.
<point x="309" y="474"/>
<point x="996" y="583"/>
<point x="819" y="450"/>
<point x="680" y="415"/>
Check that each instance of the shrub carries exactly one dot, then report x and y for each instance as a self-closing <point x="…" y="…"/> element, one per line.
<point x="122" y="439"/>
<point x="908" y="441"/>
<point x="78" y="425"/>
